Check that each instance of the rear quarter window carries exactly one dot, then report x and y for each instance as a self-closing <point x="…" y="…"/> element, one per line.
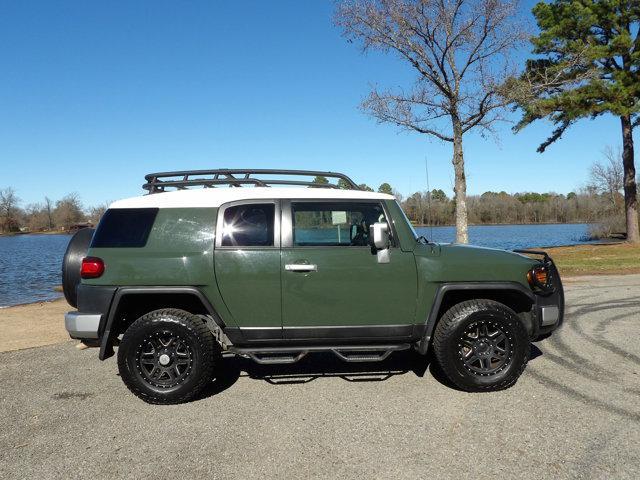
<point x="124" y="227"/>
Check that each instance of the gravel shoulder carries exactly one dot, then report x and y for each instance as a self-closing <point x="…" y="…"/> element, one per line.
<point x="573" y="414"/>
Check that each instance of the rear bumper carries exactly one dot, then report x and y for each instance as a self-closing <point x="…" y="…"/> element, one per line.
<point x="82" y="325"/>
<point x="94" y="302"/>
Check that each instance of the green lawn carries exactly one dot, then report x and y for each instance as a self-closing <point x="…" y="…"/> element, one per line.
<point x="599" y="259"/>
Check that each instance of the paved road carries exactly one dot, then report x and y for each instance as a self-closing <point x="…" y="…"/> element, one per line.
<point x="574" y="414"/>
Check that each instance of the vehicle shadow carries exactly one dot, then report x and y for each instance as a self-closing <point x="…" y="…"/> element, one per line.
<point x="327" y="365"/>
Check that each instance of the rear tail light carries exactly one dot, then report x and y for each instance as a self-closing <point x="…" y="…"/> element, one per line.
<point x="92" y="267"/>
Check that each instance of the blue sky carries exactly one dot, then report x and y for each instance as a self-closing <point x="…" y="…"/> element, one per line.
<point x="93" y="95"/>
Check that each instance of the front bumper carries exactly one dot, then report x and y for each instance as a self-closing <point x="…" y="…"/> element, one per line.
<point x="549" y="315"/>
<point x="82" y="325"/>
<point x="549" y="311"/>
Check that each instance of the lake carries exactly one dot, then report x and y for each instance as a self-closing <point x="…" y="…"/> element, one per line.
<point x="511" y="237"/>
<point x="30" y="265"/>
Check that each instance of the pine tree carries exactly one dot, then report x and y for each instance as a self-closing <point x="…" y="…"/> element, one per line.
<point x="587" y="64"/>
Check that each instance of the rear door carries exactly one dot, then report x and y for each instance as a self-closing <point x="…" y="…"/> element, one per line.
<point x="332" y="284"/>
<point x="247" y="266"/>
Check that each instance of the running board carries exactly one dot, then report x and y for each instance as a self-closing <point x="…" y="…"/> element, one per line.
<point x="346" y="353"/>
<point x="275" y="358"/>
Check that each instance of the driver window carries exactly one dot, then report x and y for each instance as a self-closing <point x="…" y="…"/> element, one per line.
<point x="334" y="224"/>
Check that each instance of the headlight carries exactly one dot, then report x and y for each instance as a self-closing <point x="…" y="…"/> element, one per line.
<point x="538" y="278"/>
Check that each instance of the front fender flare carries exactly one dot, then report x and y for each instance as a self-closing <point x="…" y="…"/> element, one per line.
<point x="444" y="288"/>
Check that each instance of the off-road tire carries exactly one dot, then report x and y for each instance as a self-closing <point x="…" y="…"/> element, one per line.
<point x="452" y="336"/>
<point x="190" y="333"/>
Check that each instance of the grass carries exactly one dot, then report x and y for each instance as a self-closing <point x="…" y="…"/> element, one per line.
<point x="599" y="259"/>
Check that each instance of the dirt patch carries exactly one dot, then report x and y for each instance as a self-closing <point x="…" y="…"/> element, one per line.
<point x="71" y="395"/>
<point x="33" y="325"/>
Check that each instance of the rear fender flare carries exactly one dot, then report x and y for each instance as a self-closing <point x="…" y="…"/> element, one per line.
<point x="106" y="343"/>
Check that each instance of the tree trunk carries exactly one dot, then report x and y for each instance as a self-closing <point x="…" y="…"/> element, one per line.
<point x="630" y="188"/>
<point x="460" y="189"/>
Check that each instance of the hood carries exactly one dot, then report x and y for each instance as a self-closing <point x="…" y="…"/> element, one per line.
<point x="470" y="263"/>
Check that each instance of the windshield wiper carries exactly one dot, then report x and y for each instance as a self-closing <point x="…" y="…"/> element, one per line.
<point x="424" y="239"/>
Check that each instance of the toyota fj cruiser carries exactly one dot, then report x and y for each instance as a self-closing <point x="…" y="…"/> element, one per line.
<point x="272" y="273"/>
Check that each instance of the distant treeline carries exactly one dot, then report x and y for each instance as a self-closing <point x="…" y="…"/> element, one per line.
<point x="590" y="205"/>
<point x="600" y="203"/>
<point x="529" y="207"/>
<point x="49" y="215"/>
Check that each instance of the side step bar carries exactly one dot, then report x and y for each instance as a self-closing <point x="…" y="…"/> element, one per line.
<point x="346" y="353"/>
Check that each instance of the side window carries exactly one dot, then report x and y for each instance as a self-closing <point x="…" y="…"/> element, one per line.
<point x="124" y="228"/>
<point x="249" y="225"/>
<point x="334" y="224"/>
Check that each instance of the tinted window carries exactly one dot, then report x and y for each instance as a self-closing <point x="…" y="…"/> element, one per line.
<point x="248" y="225"/>
<point x="334" y="224"/>
<point x="124" y="227"/>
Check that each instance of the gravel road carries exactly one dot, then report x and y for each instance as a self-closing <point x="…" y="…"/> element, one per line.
<point x="575" y="413"/>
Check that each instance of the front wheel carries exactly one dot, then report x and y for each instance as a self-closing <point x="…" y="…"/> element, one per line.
<point x="167" y="356"/>
<point x="481" y="345"/>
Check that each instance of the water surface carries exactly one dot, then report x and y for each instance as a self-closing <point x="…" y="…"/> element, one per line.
<point x="512" y="237"/>
<point x="30" y="267"/>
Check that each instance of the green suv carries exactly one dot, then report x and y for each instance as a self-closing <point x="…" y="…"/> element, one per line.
<point x="271" y="266"/>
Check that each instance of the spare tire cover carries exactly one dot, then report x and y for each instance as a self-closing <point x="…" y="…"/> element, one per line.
<point x="76" y="251"/>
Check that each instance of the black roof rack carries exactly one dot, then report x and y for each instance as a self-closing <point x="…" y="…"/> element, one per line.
<point x="182" y="180"/>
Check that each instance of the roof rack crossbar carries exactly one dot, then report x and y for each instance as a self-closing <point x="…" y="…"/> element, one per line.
<point x="183" y="179"/>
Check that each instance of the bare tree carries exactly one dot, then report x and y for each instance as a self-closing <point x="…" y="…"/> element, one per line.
<point x="461" y="52"/>
<point x="35" y="217"/>
<point x="398" y="195"/>
<point x="608" y="177"/>
<point x="417" y="207"/>
<point x="48" y="208"/>
<point x="68" y="211"/>
<point x="96" y="213"/>
<point x="9" y="210"/>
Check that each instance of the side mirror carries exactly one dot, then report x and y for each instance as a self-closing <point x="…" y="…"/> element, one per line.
<point x="379" y="232"/>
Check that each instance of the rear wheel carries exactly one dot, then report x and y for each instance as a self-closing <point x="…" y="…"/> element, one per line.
<point x="167" y="356"/>
<point x="481" y="345"/>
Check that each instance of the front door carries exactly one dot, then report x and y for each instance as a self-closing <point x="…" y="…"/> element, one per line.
<point x="332" y="284"/>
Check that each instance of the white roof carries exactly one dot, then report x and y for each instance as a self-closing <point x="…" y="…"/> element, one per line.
<point x="214" y="197"/>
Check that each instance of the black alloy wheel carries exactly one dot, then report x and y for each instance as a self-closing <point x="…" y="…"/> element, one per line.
<point x="484" y="348"/>
<point x="164" y="359"/>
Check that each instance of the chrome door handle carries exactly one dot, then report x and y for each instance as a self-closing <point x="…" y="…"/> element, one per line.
<point x="300" y="267"/>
